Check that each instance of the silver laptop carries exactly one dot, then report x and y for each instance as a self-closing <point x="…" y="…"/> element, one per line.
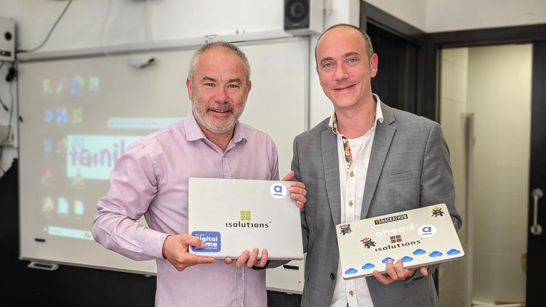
<point x="231" y="216"/>
<point x="418" y="237"/>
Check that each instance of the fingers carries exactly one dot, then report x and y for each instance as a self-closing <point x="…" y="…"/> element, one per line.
<point x="228" y="260"/>
<point x="242" y="259"/>
<point x="397" y="272"/>
<point x="194" y="259"/>
<point x="382" y="279"/>
<point x="424" y="270"/>
<point x="288" y="176"/>
<point x="391" y="272"/>
<point x="401" y="272"/>
<point x="253" y="257"/>
<point x="263" y="260"/>
<point x="298" y="192"/>
<point x="191" y="240"/>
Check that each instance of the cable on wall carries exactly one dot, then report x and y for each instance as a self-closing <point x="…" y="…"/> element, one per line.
<point x="9" y="126"/>
<point x="104" y="25"/>
<point x="50" y="31"/>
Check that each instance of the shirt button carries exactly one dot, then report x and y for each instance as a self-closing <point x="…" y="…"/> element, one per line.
<point x="351" y="203"/>
<point x="352" y="174"/>
<point x="351" y="292"/>
<point x="332" y="276"/>
<point x="240" y="275"/>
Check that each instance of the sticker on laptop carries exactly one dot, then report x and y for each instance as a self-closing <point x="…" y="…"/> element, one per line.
<point x="427" y="231"/>
<point x="278" y="190"/>
<point x="212" y="240"/>
<point x="437" y="211"/>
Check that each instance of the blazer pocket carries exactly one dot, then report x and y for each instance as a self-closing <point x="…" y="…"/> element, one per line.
<point x="394" y="177"/>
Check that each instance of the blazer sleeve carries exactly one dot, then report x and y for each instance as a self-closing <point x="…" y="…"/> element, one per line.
<point x="437" y="185"/>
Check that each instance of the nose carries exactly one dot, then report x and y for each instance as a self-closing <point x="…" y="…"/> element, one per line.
<point x="220" y="96"/>
<point x="340" y="73"/>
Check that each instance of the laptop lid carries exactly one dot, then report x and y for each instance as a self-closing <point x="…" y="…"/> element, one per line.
<point x="232" y="215"/>
<point x="419" y="237"/>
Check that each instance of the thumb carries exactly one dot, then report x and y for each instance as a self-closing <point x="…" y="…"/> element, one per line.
<point x="194" y="241"/>
<point x="289" y="176"/>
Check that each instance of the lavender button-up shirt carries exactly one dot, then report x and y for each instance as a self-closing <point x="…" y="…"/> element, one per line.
<point x="151" y="179"/>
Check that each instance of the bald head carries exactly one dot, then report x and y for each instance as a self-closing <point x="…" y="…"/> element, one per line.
<point x="347" y="27"/>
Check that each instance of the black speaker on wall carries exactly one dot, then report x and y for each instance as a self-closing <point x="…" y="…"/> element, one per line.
<point x="303" y="17"/>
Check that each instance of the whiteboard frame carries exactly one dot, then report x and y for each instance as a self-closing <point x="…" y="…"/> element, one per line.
<point x="164" y="46"/>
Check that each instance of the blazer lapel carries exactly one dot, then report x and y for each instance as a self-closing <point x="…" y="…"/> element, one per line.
<point x="331" y="172"/>
<point x="382" y="141"/>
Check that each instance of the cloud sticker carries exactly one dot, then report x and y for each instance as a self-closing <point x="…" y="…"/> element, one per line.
<point x="368" y="266"/>
<point x="407" y="259"/>
<point x="419" y="251"/>
<point x="453" y="251"/>
<point x="351" y="271"/>
<point x="386" y="259"/>
<point x="435" y="254"/>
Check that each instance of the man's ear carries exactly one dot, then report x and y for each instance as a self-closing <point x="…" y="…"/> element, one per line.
<point x="188" y="85"/>
<point x="374" y="62"/>
<point x="248" y="87"/>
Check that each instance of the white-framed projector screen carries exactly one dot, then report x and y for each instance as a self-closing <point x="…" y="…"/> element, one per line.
<point x="79" y="114"/>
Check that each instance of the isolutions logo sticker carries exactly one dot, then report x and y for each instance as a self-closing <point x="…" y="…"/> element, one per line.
<point x="246" y="222"/>
<point x="398" y="239"/>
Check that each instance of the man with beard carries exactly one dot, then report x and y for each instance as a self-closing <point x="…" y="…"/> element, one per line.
<point x="151" y="179"/>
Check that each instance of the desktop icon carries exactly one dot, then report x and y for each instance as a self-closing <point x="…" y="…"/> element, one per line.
<point x="78" y="207"/>
<point x="78" y="180"/>
<point x="47" y="86"/>
<point x="48" y="145"/>
<point x="48" y="115"/>
<point x="61" y="116"/>
<point x="62" y="146"/>
<point x="78" y="84"/>
<point x="47" y="176"/>
<point x="77" y="117"/>
<point x="93" y="84"/>
<point x="62" y="206"/>
<point x="62" y="86"/>
<point x="48" y="205"/>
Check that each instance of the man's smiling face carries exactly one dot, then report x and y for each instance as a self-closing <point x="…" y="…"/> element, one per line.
<point x="219" y="91"/>
<point x="343" y="67"/>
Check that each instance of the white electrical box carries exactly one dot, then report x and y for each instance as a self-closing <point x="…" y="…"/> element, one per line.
<point x="7" y="40"/>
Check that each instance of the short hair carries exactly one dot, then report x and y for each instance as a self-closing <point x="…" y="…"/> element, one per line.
<point x="369" y="47"/>
<point x="197" y="54"/>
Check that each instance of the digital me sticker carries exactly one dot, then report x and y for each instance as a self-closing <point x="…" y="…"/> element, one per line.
<point x="212" y="240"/>
<point x="278" y="190"/>
<point x="437" y="211"/>
<point x="427" y="231"/>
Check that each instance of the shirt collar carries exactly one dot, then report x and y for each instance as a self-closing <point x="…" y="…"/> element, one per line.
<point x="194" y="132"/>
<point x="378" y="115"/>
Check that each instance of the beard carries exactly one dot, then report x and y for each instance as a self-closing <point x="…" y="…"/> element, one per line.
<point x="207" y="121"/>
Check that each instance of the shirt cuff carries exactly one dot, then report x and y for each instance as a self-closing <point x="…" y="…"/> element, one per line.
<point x="154" y="243"/>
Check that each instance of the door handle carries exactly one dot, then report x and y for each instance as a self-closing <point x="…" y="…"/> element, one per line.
<point x="537" y="194"/>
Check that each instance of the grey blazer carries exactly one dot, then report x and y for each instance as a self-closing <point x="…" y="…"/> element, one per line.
<point x="409" y="168"/>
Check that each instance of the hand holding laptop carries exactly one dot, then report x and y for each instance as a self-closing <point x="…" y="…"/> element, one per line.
<point x="175" y="249"/>
<point x="297" y="192"/>
<point x="297" y="189"/>
<point x="397" y="272"/>
<point x="250" y="259"/>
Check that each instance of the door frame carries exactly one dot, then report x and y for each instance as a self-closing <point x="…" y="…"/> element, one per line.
<point x="427" y="85"/>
